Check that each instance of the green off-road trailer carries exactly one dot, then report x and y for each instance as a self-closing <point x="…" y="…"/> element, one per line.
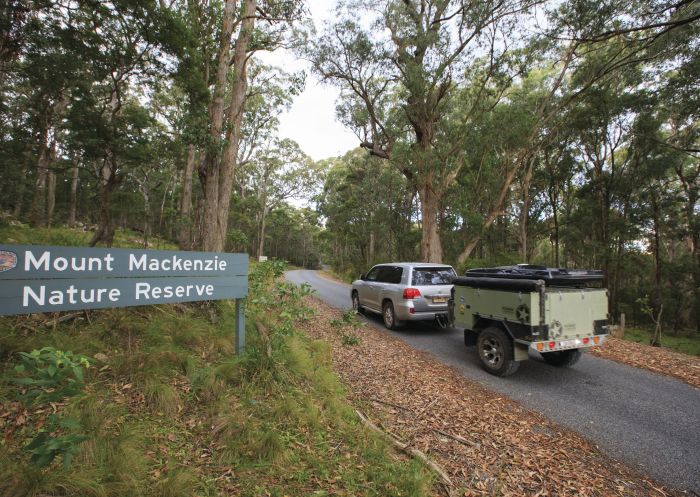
<point x="507" y="312"/>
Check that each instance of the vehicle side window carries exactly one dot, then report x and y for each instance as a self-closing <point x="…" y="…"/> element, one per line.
<point x="396" y="274"/>
<point x="384" y="274"/>
<point x="373" y="274"/>
<point x="390" y="274"/>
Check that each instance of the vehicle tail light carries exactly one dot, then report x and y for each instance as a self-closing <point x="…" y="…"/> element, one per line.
<point x="596" y="340"/>
<point x="586" y="340"/>
<point x="411" y="293"/>
<point x="540" y="346"/>
<point x="552" y="345"/>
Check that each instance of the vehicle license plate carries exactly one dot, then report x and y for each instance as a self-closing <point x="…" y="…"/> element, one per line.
<point x="570" y="343"/>
<point x="439" y="300"/>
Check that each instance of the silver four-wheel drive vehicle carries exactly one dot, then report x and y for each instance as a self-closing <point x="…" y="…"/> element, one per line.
<point x="405" y="291"/>
<point x="508" y="311"/>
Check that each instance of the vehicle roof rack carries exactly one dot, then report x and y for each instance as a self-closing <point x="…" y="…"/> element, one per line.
<point x="551" y="276"/>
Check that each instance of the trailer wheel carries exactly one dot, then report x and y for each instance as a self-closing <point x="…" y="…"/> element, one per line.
<point x="496" y="352"/>
<point x="562" y="358"/>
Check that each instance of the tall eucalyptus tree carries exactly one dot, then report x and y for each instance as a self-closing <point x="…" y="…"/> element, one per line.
<point x="399" y="69"/>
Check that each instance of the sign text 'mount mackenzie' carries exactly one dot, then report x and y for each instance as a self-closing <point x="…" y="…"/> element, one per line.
<point x="49" y="279"/>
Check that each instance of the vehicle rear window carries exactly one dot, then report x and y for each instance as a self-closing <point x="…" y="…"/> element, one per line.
<point x="433" y="276"/>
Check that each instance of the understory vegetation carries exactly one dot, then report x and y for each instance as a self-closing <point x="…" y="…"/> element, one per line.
<point x="167" y="408"/>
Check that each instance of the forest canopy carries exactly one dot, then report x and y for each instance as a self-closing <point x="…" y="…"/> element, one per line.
<point x="497" y="132"/>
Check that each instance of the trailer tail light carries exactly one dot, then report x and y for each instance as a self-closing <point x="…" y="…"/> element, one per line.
<point x="586" y="340"/>
<point x="540" y="347"/>
<point x="552" y="345"/>
<point x="411" y="293"/>
<point x="596" y="340"/>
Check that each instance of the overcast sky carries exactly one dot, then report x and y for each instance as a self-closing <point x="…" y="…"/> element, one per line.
<point x="311" y="121"/>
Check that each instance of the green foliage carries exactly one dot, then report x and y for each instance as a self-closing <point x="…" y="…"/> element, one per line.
<point x="366" y="223"/>
<point x="348" y="321"/>
<point x="349" y="340"/>
<point x="44" y="448"/>
<point x="50" y="376"/>
<point x="348" y="318"/>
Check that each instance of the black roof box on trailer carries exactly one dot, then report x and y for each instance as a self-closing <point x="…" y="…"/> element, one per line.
<point x="551" y="276"/>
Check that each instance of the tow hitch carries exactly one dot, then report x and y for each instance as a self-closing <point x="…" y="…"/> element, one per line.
<point x="442" y="320"/>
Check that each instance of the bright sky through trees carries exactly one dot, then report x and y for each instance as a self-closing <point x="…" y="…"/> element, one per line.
<point x="311" y="121"/>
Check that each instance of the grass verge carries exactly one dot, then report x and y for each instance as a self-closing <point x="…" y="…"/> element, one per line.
<point x="680" y="343"/>
<point x="168" y="409"/>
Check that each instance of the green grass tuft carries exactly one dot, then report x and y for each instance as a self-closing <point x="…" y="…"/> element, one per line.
<point x="179" y="482"/>
<point x="271" y="447"/>
<point x="162" y="398"/>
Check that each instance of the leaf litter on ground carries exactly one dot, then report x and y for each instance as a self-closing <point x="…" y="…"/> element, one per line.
<point x="486" y="444"/>
<point x="655" y="359"/>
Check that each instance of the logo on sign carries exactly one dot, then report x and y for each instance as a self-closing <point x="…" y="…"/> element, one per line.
<point x="8" y="260"/>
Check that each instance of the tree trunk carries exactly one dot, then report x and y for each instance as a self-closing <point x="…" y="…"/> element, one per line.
<point x="109" y="179"/>
<point x="105" y="229"/>
<point x="525" y="212"/>
<point x="370" y="251"/>
<point x="146" y="212"/>
<point x="186" y="221"/>
<point x="261" y="232"/>
<point x="219" y="171"/>
<point x="166" y="191"/>
<point x="50" y="197"/>
<point x="38" y="211"/>
<point x="73" y="193"/>
<point x="430" y="245"/>
<point x="209" y="172"/>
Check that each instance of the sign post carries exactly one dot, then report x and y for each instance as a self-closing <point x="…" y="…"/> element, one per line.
<point x="240" y="325"/>
<point x="37" y="278"/>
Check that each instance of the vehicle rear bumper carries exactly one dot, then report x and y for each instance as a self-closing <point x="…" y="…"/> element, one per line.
<point x="406" y="312"/>
<point x="567" y="344"/>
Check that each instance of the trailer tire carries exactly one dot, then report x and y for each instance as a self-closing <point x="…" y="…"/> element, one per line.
<point x="496" y="353"/>
<point x="562" y="358"/>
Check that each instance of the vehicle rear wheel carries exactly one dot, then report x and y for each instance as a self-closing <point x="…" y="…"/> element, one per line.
<point x="562" y="358"/>
<point x="496" y="352"/>
<point x="356" y="303"/>
<point x="389" y="316"/>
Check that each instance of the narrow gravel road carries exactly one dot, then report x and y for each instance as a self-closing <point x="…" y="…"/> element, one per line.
<point x="649" y="421"/>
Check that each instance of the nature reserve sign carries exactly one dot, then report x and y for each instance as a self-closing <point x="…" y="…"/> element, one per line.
<point x="49" y="279"/>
